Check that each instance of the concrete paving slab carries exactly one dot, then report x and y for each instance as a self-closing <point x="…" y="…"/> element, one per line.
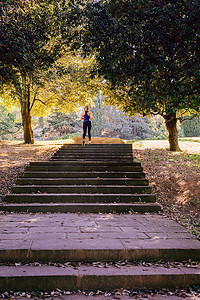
<point x="157" y="236"/>
<point x="161" y="244"/>
<point x="52" y="243"/>
<point x="171" y="235"/>
<point x="94" y="244"/>
<point x="55" y="230"/>
<point x="106" y="235"/>
<point x="100" y="229"/>
<point x="15" y="244"/>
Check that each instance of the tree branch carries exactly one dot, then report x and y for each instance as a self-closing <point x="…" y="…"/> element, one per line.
<point x="34" y="99"/>
<point x="37" y="100"/>
<point x="182" y="119"/>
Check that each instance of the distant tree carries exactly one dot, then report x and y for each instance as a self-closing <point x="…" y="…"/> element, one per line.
<point x="30" y="34"/>
<point x="6" y="121"/>
<point x="149" y="51"/>
<point x="64" y="123"/>
<point x="118" y="124"/>
<point x="97" y="112"/>
<point x="191" y="127"/>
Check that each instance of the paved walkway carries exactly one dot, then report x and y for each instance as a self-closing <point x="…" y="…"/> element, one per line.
<point x="92" y="231"/>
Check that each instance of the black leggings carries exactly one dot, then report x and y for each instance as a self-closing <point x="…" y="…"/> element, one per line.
<point x="86" y="125"/>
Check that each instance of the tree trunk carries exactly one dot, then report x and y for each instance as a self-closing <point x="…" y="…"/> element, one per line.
<point x="171" y="124"/>
<point x="25" y="112"/>
<point x="26" y="122"/>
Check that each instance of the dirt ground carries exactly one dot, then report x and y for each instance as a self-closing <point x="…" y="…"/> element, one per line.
<point x="174" y="176"/>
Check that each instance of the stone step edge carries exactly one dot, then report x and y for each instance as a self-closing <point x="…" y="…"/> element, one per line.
<point x="91" y="159"/>
<point x="99" y="145"/>
<point x="83" y="186"/>
<point x="84" y="179"/>
<point x="82" y="207"/>
<point x="95" y="174"/>
<point x="82" y="190"/>
<point x="96" y="163"/>
<point x="63" y="254"/>
<point x="27" y="278"/>
<point x="80" y="168"/>
<point x="95" y="153"/>
<point x="106" y="153"/>
<point x="80" y="198"/>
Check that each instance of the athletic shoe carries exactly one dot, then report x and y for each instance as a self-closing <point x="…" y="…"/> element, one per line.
<point x="83" y="143"/>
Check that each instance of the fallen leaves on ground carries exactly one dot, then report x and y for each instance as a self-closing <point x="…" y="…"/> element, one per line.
<point x="175" y="178"/>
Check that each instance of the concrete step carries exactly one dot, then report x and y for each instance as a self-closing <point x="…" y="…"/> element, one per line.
<point x="82" y="189"/>
<point x="97" y="149"/>
<point x="80" y="174"/>
<point x="90" y="159"/>
<point x="93" y="145"/>
<point x="80" y="167"/>
<point x="83" y="181"/>
<point x="43" y="278"/>
<point x="79" y="198"/>
<point x="81" y="208"/>
<point x="93" y="237"/>
<point x="95" y="152"/>
<point x="85" y="163"/>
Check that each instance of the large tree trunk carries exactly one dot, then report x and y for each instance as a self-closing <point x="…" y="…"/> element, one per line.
<point x="26" y="122"/>
<point x="25" y="112"/>
<point x="171" y="124"/>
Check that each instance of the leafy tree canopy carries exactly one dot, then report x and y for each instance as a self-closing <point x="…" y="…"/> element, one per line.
<point x="149" y="51"/>
<point x="34" y="35"/>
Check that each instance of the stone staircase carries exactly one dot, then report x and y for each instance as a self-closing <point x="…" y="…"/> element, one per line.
<point x="88" y="179"/>
<point x="91" y="193"/>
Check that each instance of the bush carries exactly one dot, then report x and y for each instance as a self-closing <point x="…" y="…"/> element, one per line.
<point x="191" y="127"/>
<point x="6" y="122"/>
<point x="68" y="136"/>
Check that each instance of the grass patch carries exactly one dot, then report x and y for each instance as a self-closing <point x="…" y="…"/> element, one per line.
<point x="189" y="140"/>
<point x="192" y="156"/>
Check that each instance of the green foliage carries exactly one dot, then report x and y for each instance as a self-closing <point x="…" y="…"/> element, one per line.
<point x="6" y="122"/>
<point x="64" y="123"/>
<point x="191" y="127"/>
<point x="29" y="39"/>
<point x="68" y="136"/>
<point x="32" y="35"/>
<point x="149" y="51"/>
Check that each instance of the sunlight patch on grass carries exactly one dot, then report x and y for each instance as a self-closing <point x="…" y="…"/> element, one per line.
<point x="186" y="146"/>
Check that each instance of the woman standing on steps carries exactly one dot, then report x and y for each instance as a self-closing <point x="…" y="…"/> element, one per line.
<point x="87" y="118"/>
